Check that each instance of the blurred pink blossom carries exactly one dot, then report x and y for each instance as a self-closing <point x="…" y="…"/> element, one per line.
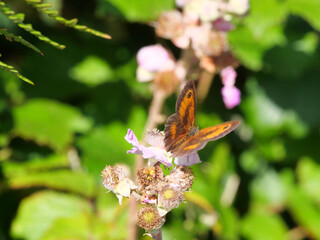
<point x="182" y="3"/>
<point x="238" y="6"/>
<point x="152" y="59"/>
<point x="155" y="58"/>
<point x="230" y="94"/>
<point x="222" y="25"/>
<point x="228" y="76"/>
<point x="205" y="10"/>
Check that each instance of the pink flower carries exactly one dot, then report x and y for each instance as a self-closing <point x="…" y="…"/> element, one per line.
<point x="228" y="76"/>
<point x="230" y="94"/>
<point x="156" y="151"/>
<point x="155" y="58"/>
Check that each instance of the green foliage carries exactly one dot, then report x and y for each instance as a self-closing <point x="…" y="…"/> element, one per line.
<point x="260" y="182"/>
<point x="18" y="18"/>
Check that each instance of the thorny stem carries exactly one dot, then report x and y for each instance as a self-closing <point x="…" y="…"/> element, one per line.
<point x="154" y="118"/>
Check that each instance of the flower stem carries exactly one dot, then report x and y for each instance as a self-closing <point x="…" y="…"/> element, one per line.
<point x="154" y="118"/>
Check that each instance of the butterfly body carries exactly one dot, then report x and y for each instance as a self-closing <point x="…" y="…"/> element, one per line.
<point x="182" y="137"/>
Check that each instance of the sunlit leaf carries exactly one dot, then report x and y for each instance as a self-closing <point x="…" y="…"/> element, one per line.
<point x="49" y="122"/>
<point x="257" y="226"/>
<point x="39" y="212"/>
<point x="61" y="179"/>
<point x="140" y="10"/>
<point x="308" y="9"/>
<point x="304" y="212"/>
<point x="308" y="172"/>
<point x="92" y="71"/>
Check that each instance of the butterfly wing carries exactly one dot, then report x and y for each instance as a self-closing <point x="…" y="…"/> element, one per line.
<point x="180" y="123"/>
<point x="198" y="141"/>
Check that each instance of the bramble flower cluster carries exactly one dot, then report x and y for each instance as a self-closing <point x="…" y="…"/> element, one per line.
<point x="157" y="193"/>
<point x="200" y="26"/>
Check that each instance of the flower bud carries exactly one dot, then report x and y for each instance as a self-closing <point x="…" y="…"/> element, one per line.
<point x="181" y="177"/>
<point x="149" y="218"/>
<point x="149" y="176"/>
<point x="115" y="180"/>
<point x="168" y="199"/>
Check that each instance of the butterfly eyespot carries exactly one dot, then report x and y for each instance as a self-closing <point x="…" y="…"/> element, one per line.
<point x="189" y="95"/>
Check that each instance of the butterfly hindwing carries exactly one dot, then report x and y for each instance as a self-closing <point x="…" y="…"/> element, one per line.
<point x="174" y="132"/>
<point x="218" y="131"/>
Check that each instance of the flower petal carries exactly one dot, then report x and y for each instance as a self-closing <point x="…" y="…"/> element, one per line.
<point x="144" y="75"/>
<point x="187" y="160"/>
<point x="155" y="138"/>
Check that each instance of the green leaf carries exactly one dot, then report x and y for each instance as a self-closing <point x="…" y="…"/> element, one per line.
<point x="65" y="180"/>
<point x="92" y="71"/>
<point x="11" y="168"/>
<point x="139" y="10"/>
<point x="104" y="145"/>
<point x="40" y="211"/>
<point x="268" y="190"/>
<point x="264" y="15"/>
<point x="263" y="111"/>
<point x="49" y="122"/>
<point x="259" y="226"/>
<point x="308" y="172"/>
<point x="70" y="228"/>
<point x="261" y="30"/>
<point x="299" y="205"/>
<point x="308" y="9"/>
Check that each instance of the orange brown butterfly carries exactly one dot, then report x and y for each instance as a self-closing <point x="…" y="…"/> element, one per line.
<point x="182" y="137"/>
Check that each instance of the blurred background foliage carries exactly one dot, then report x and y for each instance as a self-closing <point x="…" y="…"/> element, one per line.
<point x="57" y="136"/>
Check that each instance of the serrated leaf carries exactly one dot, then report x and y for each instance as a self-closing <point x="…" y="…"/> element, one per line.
<point x="49" y="122"/>
<point x="39" y="212"/>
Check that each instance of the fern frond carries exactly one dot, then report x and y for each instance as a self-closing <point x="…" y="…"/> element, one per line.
<point x="19" y="20"/>
<point x="11" y="69"/>
<point x="10" y="36"/>
<point x="72" y="23"/>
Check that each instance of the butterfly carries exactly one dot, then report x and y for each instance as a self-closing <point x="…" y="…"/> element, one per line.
<point x="181" y="136"/>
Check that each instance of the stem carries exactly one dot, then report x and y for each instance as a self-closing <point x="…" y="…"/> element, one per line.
<point x="205" y="81"/>
<point x="154" y="118"/>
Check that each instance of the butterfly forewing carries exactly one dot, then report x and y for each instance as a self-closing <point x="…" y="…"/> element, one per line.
<point x="179" y="124"/>
<point x="186" y="105"/>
